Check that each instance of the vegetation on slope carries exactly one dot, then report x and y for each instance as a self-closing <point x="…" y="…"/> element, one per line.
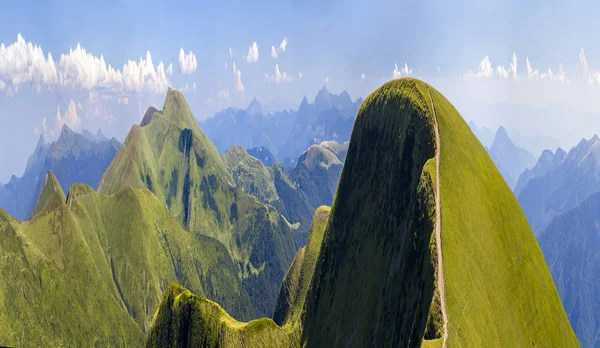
<point x="173" y="158"/>
<point x="107" y="259"/>
<point x="50" y="187"/>
<point x="375" y="276"/>
<point x="499" y="291"/>
<point x="187" y="320"/>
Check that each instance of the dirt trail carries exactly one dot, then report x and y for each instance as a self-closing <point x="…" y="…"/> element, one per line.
<point x="438" y="227"/>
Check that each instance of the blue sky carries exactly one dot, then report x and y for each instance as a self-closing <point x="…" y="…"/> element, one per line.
<point x="337" y="41"/>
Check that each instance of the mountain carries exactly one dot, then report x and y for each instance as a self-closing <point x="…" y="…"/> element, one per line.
<point x="484" y="134"/>
<point x="287" y="133"/>
<point x="295" y="192"/>
<point x="171" y="156"/>
<point x="263" y="154"/>
<point x="50" y="189"/>
<point x="571" y="244"/>
<point x="89" y="270"/>
<point x="72" y="158"/>
<point x="547" y="162"/>
<point x="510" y="160"/>
<point x="412" y="187"/>
<point x="562" y="184"/>
<point x="98" y="137"/>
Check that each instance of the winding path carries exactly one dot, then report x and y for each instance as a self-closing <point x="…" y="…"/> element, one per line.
<point x="438" y="226"/>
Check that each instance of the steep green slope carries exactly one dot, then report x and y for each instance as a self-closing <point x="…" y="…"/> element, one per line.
<point x="251" y="175"/>
<point x="374" y="280"/>
<point x="425" y="245"/>
<point x="187" y="320"/>
<point x="483" y="225"/>
<point x="171" y="156"/>
<point x="296" y="283"/>
<point x="49" y="188"/>
<point x="107" y="259"/>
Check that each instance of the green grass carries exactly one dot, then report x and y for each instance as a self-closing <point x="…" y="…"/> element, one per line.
<point x="374" y="282"/>
<point x="92" y="270"/>
<point x="499" y="291"/>
<point x="173" y="158"/>
<point x="187" y="320"/>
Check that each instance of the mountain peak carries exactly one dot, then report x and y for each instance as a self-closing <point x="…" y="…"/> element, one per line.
<point x="51" y="195"/>
<point x="65" y="132"/>
<point x="254" y="108"/>
<point x="41" y="142"/>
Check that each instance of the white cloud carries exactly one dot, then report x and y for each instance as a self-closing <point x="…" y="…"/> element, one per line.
<point x="36" y="131"/>
<point x="327" y="79"/>
<point x="24" y="63"/>
<point x="170" y="70"/>
<point x="230" y="53"/>
<point x="188" y="88"/>
<point x="280" y="49"/>
<point x="299" y="75"/>
<point x="279" y="77"/>
<point x="237" y="75"/>
<point x="187" y="62"/>
<point x="225" y="65"/>
<point x="404" y="71"/>
<point x="120" y="101"/>
<point x="70" y="118"/>
<point x="224" y="97"/>
<point x="252" y="56"/>
<point x="363" y="77"/>
<point x="485" y="71"/>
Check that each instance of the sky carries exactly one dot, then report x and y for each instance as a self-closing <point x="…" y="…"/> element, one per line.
<point x="531" y="66"/>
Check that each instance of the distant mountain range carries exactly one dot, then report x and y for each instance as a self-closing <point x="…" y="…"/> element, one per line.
<point x="286" y="134"/>
<point x="559" y="182"/>
<point x="571" y="245"/>
<point x="73" y="158"/>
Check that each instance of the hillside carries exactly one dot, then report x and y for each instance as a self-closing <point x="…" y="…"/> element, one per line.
<point x="563" y="184"/>
<point x="411" y="193"/>
<point x="295" y="192"/>
<point x="170" y="155"/>
<point x="107" y="259"/>
<point x="570" y="245"/>
<point x="183" y="316"/>
<point x="72" y="158"/>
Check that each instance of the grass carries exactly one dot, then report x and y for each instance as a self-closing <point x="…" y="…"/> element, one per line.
<point x="499" y="291"/>
<point x="185" y="320"/>
<point x="374" y="282"/>
<point x="173" y="158"/>
<point x="92" y="270"/>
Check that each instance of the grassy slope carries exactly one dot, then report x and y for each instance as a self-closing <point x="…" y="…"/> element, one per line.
<point x="296" y="283"/>
<point x="374" y="280"/>
<point x="50" y="295"/>
<point x="187" y="320"/>
<point x="173" y="158"/>
<point x="499" y="291"/>
<point x="107" y="259"/>
<point x="49" y="188"/>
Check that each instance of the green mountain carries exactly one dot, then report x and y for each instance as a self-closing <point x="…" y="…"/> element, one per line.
<point x="570" y="245"/>
<point x="51" y="190"/>
<point x="170" y="155"/>
<point x="90" y="270"/>
<point x="425" y="245"/>
<point x="295" y="192"/>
